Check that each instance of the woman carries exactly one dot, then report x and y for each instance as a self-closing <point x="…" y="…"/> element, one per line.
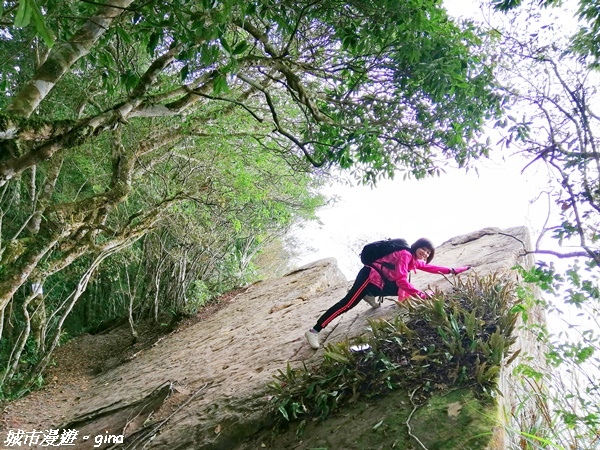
<point x="386" y="276"/>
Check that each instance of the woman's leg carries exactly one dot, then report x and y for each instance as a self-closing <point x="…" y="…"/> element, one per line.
<point x="358" y="290"/>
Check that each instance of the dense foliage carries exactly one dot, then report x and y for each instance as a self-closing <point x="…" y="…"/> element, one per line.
<point x="453" y="340"/>
<point x="585" y="42"/>
<point x="551" y="73"/>
<point x="567" y="390"/>
<point x="149" y="149"/>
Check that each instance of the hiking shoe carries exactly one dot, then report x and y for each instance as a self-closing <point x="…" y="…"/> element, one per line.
<point x="312" y="338"/>
<point x="372" y="301"/>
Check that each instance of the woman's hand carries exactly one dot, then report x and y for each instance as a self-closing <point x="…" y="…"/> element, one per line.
<point x="461" y="269"/>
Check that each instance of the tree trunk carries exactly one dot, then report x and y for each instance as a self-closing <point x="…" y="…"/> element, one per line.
<point x="38" y="320"/>
<point x="63" y="56"/>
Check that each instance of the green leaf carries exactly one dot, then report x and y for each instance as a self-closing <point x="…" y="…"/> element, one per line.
<point x="225" y="45"/>
<point x="240" y="48"/>
<point x="337" y="357"/>
<point x="124" y="35"/>
<point x="107" y="60"/>
<point x="184" y="72"/>
<point x="284" y="412"/>
<point x="209" y="54"/>
<point x="152" y="43"/>
<point x="220" y="84"/>
<point x="40" y="25"/>
<point x="23" y="15"/>
<point x="129" y="79"/>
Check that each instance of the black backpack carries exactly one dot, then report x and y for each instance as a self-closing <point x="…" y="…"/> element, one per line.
<point x="375" y="250"/>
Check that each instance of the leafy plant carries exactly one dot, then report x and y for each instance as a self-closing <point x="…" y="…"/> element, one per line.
<point x="452" y="340"/>
<point x="199" y="126"/>
<point x="567" y="392"/>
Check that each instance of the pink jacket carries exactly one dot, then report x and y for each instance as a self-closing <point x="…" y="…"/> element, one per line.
<point x="403" y="263"/>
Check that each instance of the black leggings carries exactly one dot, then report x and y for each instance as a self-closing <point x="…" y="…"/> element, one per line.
<point x="359" y="290"/>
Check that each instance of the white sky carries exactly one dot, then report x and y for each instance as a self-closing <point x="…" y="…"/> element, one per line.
<point x="437" y="208"/>
<point x="440" y="208"/>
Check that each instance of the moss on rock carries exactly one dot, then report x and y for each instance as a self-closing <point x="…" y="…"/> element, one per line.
<point x="456" y="420"/>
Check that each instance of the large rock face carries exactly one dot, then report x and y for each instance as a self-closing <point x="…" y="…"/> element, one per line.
<point x="204" y="386"/>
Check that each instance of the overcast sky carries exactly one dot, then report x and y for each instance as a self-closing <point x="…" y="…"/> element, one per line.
<point x="437" y="208"/>
<point x="456" y="203"/>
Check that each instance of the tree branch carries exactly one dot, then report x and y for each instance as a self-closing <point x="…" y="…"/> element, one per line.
<point x="63" y="56"/>
<point x="557" y="254"/>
